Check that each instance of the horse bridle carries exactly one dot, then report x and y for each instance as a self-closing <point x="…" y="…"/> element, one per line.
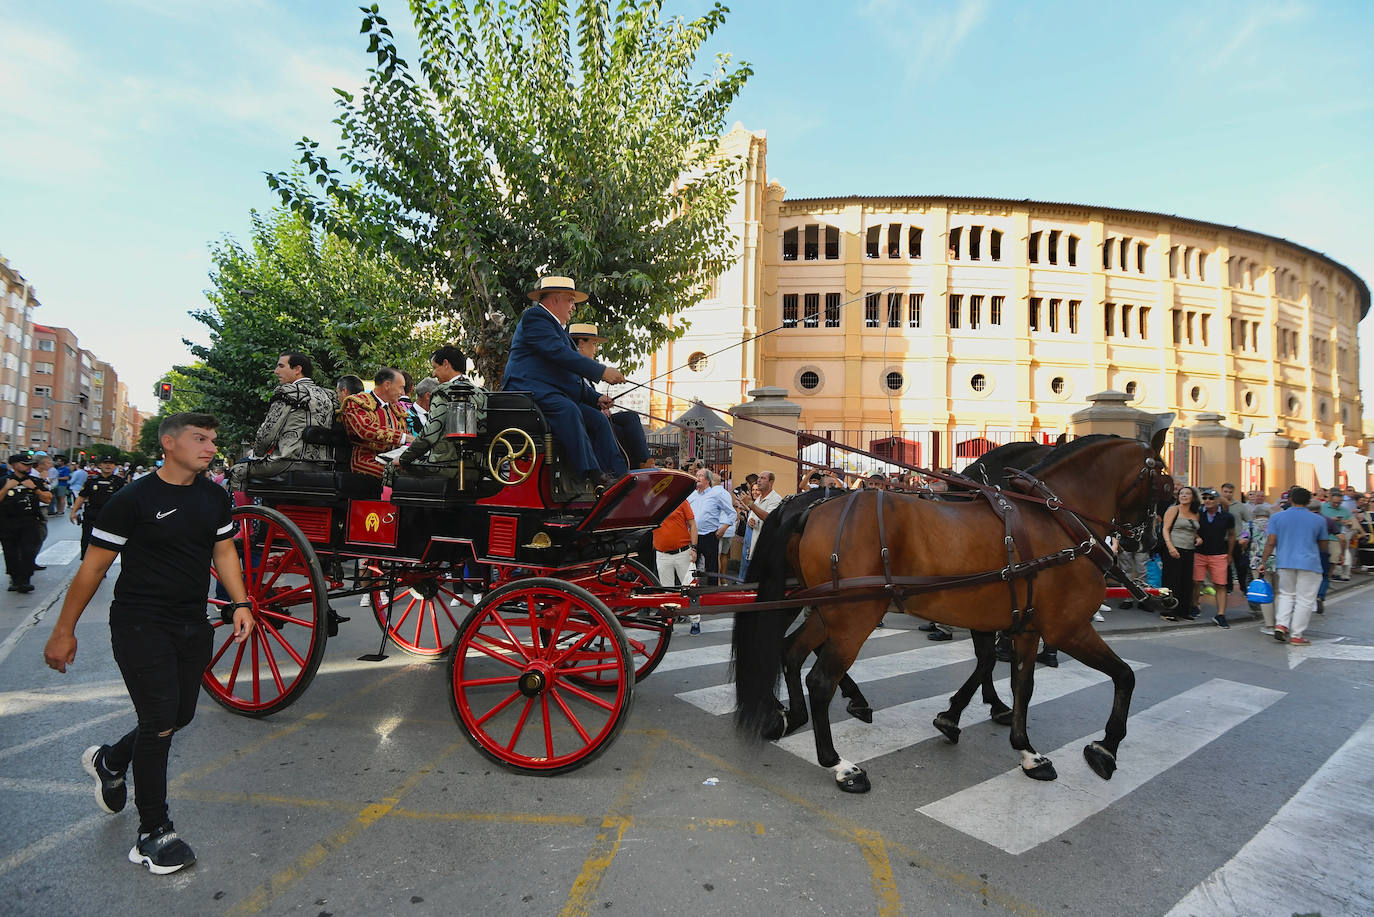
<point x="1152" y="474"/>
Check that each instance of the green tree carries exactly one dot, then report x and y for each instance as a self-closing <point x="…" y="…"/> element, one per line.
<point x="537" y="137"/>
<point x="296" y="289"/>
<point x="148" y="442"/>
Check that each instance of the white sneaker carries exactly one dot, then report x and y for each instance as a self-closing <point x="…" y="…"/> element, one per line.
<point x="1267" y="631"/>
<point x="1097" y="616"/>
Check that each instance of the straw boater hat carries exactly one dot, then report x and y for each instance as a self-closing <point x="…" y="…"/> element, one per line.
<point x="585" y="330"/>
<point x="553" y="284"/>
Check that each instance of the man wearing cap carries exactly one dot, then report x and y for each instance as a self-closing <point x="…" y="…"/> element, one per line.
<point x="544" y="363"/>
<point x="22" y="498"/>
<point x="629" y="432"/>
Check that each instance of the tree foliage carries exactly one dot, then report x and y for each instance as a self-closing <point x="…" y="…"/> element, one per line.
<point x="297" y="289"/>
<point x="538" y="136"/>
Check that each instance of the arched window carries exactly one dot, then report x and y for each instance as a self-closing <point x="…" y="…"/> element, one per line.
<point x="871" y="248"/>
<point x="913" y="242"/>
<point x="789" y="244"/>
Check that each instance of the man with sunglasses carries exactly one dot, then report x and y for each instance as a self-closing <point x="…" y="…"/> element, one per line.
<point x="1217" y="530"/>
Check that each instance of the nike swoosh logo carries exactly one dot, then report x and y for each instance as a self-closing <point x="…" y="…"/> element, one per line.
<point x="164" y="515"/>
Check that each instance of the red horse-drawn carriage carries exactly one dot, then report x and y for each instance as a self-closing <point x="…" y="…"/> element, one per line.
<point x="529" y="587"/>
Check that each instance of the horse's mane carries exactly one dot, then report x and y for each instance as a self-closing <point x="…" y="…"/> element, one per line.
<point x="991" y="466"/>
<point x="1070" y="449"/>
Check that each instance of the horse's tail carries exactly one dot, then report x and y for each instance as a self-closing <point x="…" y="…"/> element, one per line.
<point x="757" y="641"/>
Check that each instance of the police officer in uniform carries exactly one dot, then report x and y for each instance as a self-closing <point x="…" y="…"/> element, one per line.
<point x="22" y="498"/>
<point x="94" y="494"/>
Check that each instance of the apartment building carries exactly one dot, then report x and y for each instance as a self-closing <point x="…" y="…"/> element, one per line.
<point x="17" y="304"/>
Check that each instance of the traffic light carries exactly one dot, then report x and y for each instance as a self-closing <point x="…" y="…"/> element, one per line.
<point x="164" y="391"/>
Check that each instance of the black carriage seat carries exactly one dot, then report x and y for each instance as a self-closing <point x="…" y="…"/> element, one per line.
<point x="316" y="481"/>
<point x="505" y="410"/>
<point x="515" y="409"/>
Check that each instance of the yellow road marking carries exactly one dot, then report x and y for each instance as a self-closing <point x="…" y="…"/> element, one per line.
<point x="270" y="890"/>
<point x="605" y="847"/>
<point x="880" y="867"/>
<point x="884" y="882"/>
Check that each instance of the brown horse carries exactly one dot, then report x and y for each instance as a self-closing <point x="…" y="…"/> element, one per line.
<point x="1086" y="490"/>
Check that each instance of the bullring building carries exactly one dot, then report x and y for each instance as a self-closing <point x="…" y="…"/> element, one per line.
<point x="938" y="325"/>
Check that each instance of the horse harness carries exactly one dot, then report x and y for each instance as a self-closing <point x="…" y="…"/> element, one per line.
<point x="1022" y="562"/>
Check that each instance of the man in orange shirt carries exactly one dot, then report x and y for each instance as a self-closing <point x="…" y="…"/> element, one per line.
<point x="375" y="421"/>
<point x="675" y="550"/>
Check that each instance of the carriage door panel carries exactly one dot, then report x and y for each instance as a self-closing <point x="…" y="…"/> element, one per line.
<point x="372" y="522"/>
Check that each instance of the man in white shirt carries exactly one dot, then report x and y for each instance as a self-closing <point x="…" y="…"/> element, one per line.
<point x="768" y="500"/>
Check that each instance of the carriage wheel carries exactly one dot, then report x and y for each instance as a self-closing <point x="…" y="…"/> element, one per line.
<point x="648" y="637"/>
<point x="273" y="667"/>
<point x="429" y="607"/>
<point x="516" y="673"/>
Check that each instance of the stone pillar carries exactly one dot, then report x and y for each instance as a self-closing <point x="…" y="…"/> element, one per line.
<point x="770" y="406"/>
<point x="1276" y="451"/>
<point x="1315" y="464"/>
<point x="1109" y="413"/>
<point x="1355" y="466"/>
<point x="1220" y="448"/>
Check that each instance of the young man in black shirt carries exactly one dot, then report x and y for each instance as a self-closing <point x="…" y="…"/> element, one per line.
<point x="168" y="526"/>
<point x="96" y="492"/>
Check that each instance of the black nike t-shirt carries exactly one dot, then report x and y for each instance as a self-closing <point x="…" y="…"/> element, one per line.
<point x="165" y="535"/>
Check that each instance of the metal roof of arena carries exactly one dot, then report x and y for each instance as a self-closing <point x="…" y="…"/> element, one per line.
<point x="1360" y="285"/>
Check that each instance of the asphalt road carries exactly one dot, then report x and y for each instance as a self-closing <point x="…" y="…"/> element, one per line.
<point x="1243" y="789"/>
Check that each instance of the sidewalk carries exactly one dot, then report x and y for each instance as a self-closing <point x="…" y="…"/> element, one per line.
<point x="1134" y="621"/>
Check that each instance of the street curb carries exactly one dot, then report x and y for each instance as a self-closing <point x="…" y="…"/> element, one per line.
<point x="1353" y="587"/>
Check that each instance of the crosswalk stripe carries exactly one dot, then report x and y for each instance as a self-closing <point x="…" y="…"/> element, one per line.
<point x="720" y="652"/>
<point x="895" y="728"/>
<point x="58" y="554"/>
<point x="1301" y="862"/>
<point x="720" y="699"/>
<point x="1016" y="814"/>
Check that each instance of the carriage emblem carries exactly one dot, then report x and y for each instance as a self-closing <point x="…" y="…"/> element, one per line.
<point x="373" y="522"/>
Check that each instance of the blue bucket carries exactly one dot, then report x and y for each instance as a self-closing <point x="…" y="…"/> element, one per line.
<point x="1260" y="592"/>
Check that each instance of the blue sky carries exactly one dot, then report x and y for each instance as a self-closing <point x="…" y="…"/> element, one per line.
<point x="136" y="132"/>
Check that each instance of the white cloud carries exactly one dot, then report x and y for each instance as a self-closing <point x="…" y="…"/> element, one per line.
<point x="1248" y="25"/>
<point x="927" y="33"/>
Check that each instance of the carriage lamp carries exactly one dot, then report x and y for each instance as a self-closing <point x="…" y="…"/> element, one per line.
<point x="461" y="420"/>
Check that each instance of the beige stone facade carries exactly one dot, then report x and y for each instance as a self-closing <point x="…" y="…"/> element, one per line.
<point x="964" y="316"/>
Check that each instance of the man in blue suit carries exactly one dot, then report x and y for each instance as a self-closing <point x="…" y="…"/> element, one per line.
<point x="544" y="362"/>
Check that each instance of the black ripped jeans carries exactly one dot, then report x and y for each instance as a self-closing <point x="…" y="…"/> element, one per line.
<point x="162" y="664"/>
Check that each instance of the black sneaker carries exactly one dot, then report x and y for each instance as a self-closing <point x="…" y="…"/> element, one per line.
<point x="162" y="851"/>
<point x="1220" y="621"/>
<point x="110" y="791"/>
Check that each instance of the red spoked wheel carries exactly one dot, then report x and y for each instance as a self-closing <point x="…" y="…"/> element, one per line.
<point x="647" y="635"/>
<point x="428" y="608"/>
<point x="273" y="667"/>
<point x="517" y="674"/>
